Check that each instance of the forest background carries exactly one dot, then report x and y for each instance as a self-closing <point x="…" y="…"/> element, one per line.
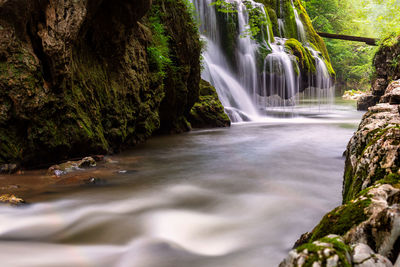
<point x="352" y="61"/>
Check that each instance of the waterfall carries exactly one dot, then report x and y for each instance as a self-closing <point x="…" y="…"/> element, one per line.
<point x="251" y="75"/>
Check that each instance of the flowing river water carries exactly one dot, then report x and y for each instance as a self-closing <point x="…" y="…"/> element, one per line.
<point x="233" y="197"/>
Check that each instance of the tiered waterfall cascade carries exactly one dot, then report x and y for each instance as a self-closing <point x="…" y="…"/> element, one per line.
<point x="255" y="73"/>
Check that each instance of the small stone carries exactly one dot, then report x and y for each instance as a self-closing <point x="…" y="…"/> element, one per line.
<point x="332" y="261"/>
<point x="327" y="252"/>
<point x="95" y="181"/>
<point x="9" y="168"/>
<point x="11" y="199"/>
<point x="86" y="163"/>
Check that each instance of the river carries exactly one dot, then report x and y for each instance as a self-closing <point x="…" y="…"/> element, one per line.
<point x="233" y="197"/>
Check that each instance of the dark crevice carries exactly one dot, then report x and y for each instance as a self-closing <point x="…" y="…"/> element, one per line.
<point x="394" y="254"/>
<point x="32" y="29"/>
<point x="370" y="239"/>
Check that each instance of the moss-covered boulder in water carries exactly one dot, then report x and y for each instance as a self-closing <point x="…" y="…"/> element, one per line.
<point x="208" y="111"/>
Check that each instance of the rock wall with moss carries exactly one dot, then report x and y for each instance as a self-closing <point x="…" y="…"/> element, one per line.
<point x="83" y="77"/>
<point x="364" y="230"/>
<point x="386" y="69"/>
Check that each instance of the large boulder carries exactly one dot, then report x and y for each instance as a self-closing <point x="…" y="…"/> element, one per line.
<point x="76" y="76"/>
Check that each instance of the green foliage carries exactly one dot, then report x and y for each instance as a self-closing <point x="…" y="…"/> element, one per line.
<point x="225" y="7"/>
<point x="259" y="24"/>
<point x="351" y="61"/>
<point x="158" y="51"/>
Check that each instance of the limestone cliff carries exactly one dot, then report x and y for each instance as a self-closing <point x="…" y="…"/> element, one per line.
<point x="82" y="77"/>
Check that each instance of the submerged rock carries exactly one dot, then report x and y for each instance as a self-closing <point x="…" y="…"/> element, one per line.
<point x="70" y="166"/>
<point x="9" y="168"/>
<point x="11" y="199"/>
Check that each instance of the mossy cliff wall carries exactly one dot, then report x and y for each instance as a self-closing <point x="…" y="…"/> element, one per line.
<point x="82" y="77"/>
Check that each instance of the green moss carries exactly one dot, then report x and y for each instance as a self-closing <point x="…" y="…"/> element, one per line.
<point x="342" y="219"/>
<point x="315" y="252"/>
<point x="228" y="24"/>
<point x="208" y="111"/>
<point x="290" y="20"/>
<point x="353" y="182"/>
<point x="302" y="54"/>
<point x="274" y="21"/>
<point x="392" y="179"/>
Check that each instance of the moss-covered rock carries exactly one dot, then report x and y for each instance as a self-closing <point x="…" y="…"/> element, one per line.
<point x="86" y="77"/>
<point x="373" y="152"/>
<point x="303" y="55"/>
<point x="328" y="251"/>
<point x="342" y="219"/>
<point x="208" y="111"/>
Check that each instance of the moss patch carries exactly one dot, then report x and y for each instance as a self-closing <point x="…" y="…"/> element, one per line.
<point x="208" y="111"/>
<point x="302" y="54"/>
<point x="315" y="252"/>
<point x="342" y="219"/>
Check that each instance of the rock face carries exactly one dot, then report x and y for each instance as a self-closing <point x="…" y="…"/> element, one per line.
<point x="77" y="76"/>
<point x="368" y="222"/>
<point x="387" y="69"/>
<point x="208" y="112"/>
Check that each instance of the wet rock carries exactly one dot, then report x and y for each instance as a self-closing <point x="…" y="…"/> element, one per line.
<point x="379" y="86"/>
<point x="79" y="75"/>
<point x="208" y="111"/>
<point x="382" y="228"/>
<point x="11" y="199"/>
<point x="86" y="163"/>
<point x="98" y="158"/>
<point x="392" y="93"/>
<point x="9" y="168"/>
<point x="95" y="181"/>
<point x="373" y="151"/>
<point x="366" y="101"/>
<point x="70" y="166"/>
<point x="328" y="251"/>
<point x="364" y="256"/>
<point x="302" y="240"/>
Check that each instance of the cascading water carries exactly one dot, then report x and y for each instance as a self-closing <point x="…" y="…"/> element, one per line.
<point x="257" y="74"/>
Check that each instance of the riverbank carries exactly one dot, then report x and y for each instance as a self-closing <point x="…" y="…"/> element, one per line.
<point x="364" y="230"/>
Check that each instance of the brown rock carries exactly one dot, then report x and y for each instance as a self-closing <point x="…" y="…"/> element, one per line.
<point x="11" y="199"/>
<point x="366" y="101"/>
